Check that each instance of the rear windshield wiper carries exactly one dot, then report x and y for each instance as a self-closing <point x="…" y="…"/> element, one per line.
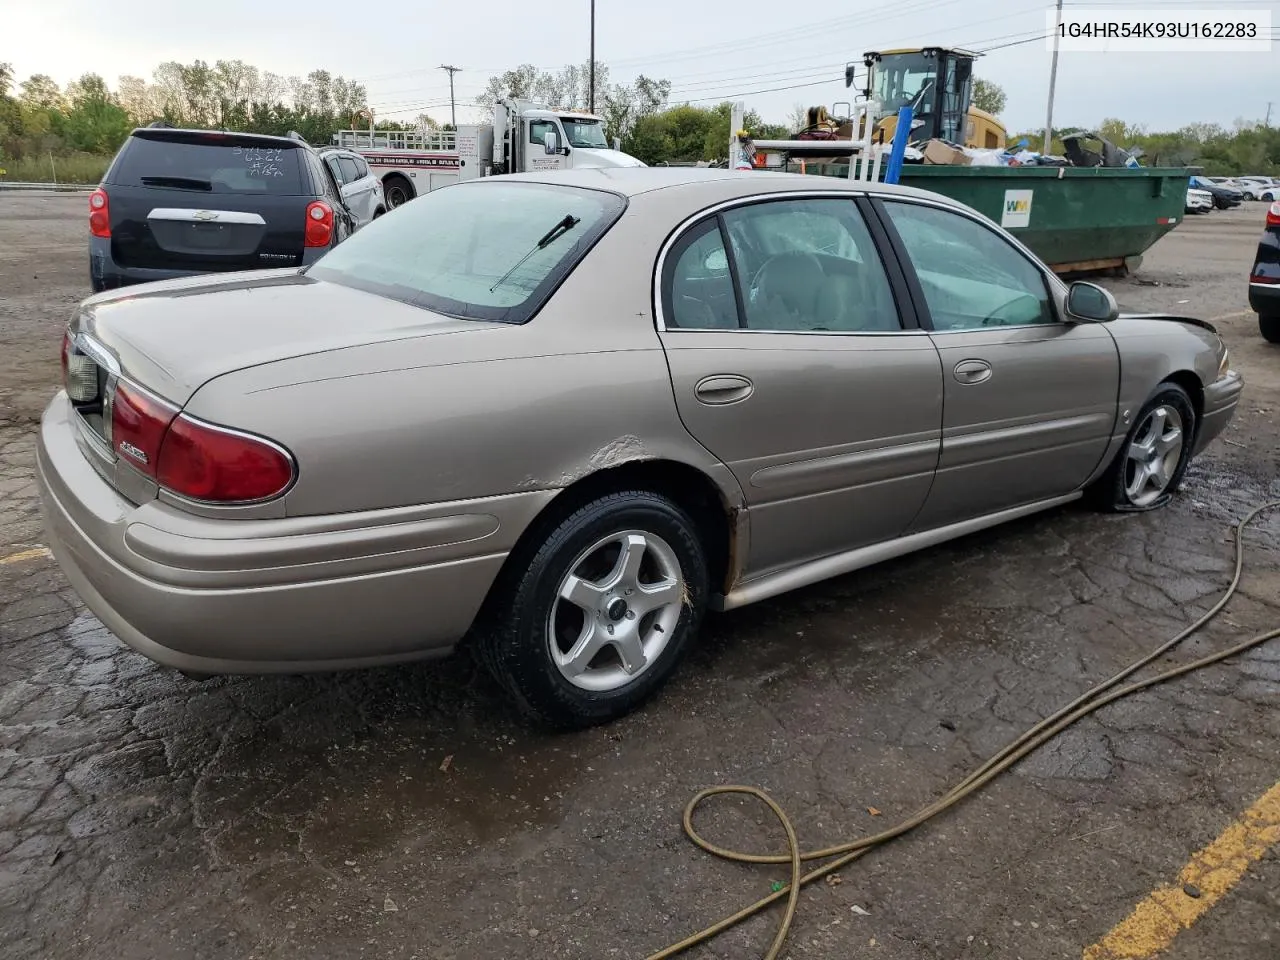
<point x="561" y="228"/>
<point x="182" y="183"/>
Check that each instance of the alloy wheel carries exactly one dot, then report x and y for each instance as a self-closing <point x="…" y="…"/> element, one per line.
<point x="1153" y="456"/>
<point x="615" y="610"/>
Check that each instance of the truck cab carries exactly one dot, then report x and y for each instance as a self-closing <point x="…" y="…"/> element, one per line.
<point x="523" y="137"/>
<point x="530" y="137"/>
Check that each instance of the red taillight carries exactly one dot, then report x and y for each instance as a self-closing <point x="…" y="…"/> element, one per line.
<point x="99" y="214"/>
<point x="319" y="224"/>
<point x="1273" y="215"/>
<point x="138" y="425"/>
<point x="203" y="462"/>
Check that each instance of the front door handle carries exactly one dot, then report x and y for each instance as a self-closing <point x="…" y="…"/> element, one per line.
<point x="972" y="371"/>
<point x="723" y="388"/>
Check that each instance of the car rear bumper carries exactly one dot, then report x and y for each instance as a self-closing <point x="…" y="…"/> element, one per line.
<point x="1220" y="400"/>
<point x="106" y="274"/>
<point x="298" y="594"/>
<point x="1264" y="298"/>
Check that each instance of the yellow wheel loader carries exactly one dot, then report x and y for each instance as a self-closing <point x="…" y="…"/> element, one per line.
<point x="937" y="83"/>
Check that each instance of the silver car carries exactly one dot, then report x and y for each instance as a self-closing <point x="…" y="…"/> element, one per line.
<point x="360" y="187"/>
<point x="557" y="417"/>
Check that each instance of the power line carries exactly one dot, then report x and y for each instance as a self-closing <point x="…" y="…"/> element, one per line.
<point x="793" y="35"/>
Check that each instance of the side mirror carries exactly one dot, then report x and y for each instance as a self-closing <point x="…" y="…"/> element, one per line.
<point x="1091" y="303"/>
<point x="550" y="143"/>
<point x="850" y="73"/>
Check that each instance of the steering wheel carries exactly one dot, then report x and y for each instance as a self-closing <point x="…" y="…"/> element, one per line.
<point x="1012" y="312"/>
<point x="754" y="285"/>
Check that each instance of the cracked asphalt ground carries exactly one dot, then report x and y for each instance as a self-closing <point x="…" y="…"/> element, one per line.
<point x="406" y="813"/>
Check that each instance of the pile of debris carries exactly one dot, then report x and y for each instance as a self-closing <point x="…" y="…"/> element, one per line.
<point x="1078" y="154"/>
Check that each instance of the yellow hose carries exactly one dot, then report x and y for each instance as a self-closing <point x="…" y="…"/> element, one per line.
<point x="846" y="853"/>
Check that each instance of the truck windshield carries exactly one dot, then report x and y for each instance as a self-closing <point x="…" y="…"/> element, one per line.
<point x="477" y="251"/>
<point x="584" y="133"/>
<point x="902" y="77"/>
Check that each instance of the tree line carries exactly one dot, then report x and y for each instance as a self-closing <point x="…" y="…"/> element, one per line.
<point x="71" y="132"/>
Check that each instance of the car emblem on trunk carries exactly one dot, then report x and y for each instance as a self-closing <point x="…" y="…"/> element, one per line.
<point x="205" y="215"/>
<point x="131" y="450"/>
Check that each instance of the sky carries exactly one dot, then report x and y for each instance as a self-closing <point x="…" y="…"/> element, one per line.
<point x="710" y="50"/>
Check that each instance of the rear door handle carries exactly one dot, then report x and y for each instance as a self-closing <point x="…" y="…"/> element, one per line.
<point x="972" y="371"/>
<point x="723" y="388"/>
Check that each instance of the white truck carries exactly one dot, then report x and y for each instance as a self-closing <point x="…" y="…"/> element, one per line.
<point x="523" y="137"/>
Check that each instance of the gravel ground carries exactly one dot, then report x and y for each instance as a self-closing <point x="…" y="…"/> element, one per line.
<point x="407" y="813"/>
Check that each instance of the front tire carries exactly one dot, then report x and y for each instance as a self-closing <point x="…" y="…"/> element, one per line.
<point x="1150" y="465"/>
<point x="593" y="623"/>
<point x="1269" y="327"/>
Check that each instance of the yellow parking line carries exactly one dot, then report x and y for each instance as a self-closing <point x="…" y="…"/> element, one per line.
<point x="1230" y="316"/>
<point x="1170" y="909"/>
<point x="24" y="555"/>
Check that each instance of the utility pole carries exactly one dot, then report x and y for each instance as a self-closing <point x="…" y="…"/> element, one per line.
<point x="1053" y="80"/>
<point x="1267" y="122"/>
<point x="453" y="105"/>
<point x="591" y="78"/>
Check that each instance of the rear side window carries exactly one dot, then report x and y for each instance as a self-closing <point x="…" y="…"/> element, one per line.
<point x="209" y="163"/>
<point x="484" y="251"/>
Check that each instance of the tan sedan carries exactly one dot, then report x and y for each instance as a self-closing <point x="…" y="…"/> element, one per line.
<point x="560" y="416"/>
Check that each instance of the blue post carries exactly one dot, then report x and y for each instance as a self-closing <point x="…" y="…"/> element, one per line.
<point x="900" y="135"/>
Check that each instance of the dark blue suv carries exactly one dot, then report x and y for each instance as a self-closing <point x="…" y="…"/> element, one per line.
<point x="180" y="202"/>
<point x="1264" y="279"/>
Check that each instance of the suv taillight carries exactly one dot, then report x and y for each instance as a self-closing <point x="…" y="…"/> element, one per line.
<point x="1273" y="215"/>
<point x="203" y="462"/>
<point x="319" y="224"/>
<point x="193" y="459"/>
<point x="99" y="214"/>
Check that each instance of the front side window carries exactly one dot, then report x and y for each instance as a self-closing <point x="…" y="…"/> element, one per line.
<point x="971" y="276"/>
<point x="538" y="129"/>
<point x="903" y="79"/>
<point x="483" y="251"/>
<point x="809" y="265"/>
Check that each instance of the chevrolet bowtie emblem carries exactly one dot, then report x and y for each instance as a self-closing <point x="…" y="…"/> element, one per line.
<point x="206" y="215"/>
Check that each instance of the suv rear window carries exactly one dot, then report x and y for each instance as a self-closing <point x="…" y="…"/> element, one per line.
<point x="209" y="163"/>
<point x="486" y="250"/>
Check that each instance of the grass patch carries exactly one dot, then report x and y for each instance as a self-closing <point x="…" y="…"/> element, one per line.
<point x="73" y="168"/>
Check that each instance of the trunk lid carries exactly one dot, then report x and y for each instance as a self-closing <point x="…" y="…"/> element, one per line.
<point x="174" y="336"/>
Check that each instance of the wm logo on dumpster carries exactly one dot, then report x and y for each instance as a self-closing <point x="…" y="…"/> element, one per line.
<point x="1017" y="208"/>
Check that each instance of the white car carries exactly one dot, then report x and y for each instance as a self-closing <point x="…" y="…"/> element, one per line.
<point x="1260" y="188"/>
<point x="1199" y="201"/>
<point x="360" y="186"/>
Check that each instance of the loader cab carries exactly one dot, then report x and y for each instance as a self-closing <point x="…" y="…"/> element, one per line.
<point x="937" y="83"/>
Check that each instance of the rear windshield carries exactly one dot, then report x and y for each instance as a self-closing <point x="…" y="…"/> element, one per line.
<point x="486" y="250"/>
<point x="210" y="163"/>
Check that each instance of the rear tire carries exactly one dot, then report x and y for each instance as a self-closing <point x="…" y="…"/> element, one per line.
<point x="397" y="190"/>
<point x="578" y="636"/>
<point x="1269" y="327"/>
<point x="1150" y="464"/>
